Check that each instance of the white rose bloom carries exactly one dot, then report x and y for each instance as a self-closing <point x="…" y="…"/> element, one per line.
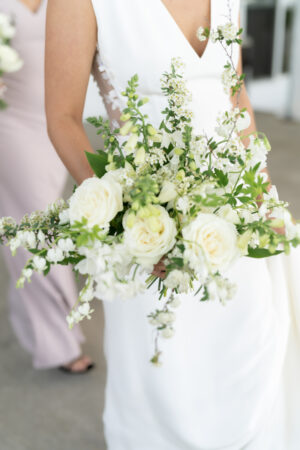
<point x="150" y="238"/>
<point x="7" y="29"/>
<point x="9" y="59"/>
<point x="212" y="237"/>
<point x="39" y="263"/>
<point x="226" y="212"/>
<point x="55" y="255"/>
<point x="98" y="200"/>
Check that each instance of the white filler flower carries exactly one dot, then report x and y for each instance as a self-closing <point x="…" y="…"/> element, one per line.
<point x="212" y="236"/>
<point x="150" y="238"/>
<point x="98" y="200"/>
<point x="9" y="59"/>
<point x="7" y="29"/>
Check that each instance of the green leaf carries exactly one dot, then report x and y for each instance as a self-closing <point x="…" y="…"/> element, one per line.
<point x="262" y="252"/>
<point x="222" y="177"/>
<point x="97" y="162"/>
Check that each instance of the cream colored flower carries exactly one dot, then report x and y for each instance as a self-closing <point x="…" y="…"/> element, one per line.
<point x="149" y="238"/>
<point x="7" y="29"/>
<point x="212" y="237"/>
<point x="98" y="200"/>
<point x="9" y="59"/>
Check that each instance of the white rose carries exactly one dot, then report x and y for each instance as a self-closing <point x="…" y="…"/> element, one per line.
<point x="7" y="29"/>
<point x="98" y="200"/>
<point x="214" y="237"/>
<point x="9" y="59"/>
<point x="150" y="238"/>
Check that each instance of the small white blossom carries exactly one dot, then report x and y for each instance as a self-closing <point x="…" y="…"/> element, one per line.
<point x="201" y="34"/>
<point x="39" y="263"/>
<point x="177" y="279"/>
<point x="55" y="255"/>
<point x="168" y="332"/>
<point x="66" y="245"/>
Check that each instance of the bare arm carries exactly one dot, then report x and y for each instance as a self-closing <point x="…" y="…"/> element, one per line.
<point x="70" y="47"/>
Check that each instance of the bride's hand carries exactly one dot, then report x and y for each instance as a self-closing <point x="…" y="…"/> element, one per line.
<point x="160" y="269"/>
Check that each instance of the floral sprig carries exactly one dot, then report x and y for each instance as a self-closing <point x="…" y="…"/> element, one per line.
<point x="9" y="58"/>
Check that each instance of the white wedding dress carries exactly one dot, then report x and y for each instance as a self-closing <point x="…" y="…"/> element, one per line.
<point x="223" y="383"/>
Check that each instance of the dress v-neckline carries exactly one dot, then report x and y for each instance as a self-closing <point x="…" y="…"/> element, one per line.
<point x="181" y="33"/>
<point x="29" y="10"/>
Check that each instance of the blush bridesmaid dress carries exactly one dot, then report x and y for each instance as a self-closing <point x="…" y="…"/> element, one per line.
<point x="31" y="177"/>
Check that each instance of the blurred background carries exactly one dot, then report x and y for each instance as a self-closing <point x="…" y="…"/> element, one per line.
<point x="43" y="410"/>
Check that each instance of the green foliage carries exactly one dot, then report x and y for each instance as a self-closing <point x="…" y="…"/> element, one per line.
<point x="98" y="162"/>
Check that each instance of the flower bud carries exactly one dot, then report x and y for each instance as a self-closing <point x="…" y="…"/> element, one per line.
<point x="178" y="151"/>
<point x="180" y="175"/>
<point x="131" y="143"/>
<point x="140" y="156"/>
<point x="277" y="223"/>
<point x="151" y="130"/>
<point x="264" y="241"/>
<point x="125" y="117"/>
<point x="130" y="221"/>
<point x="193" y="166"/>
<point x="168" y="192"/>
<point x="243" y="242"/>
<point x="126" y="128"/>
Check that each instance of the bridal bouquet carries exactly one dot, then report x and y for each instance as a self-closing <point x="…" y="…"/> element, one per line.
<point x="193" y="203"/>
<point x="9" y="58"/>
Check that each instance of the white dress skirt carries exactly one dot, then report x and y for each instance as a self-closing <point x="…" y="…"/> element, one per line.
<point x="222" y="385"/>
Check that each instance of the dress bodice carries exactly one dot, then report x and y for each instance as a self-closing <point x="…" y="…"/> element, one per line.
<point x="25" y="94"/>
<point x="142" y="37"/>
